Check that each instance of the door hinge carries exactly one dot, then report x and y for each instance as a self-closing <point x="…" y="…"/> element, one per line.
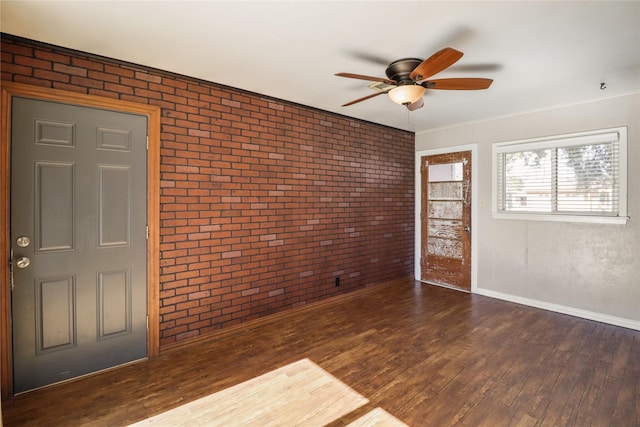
<point x="147" y="142"/>
<point x="147" y="232"/>
<point x="147" y="323"/>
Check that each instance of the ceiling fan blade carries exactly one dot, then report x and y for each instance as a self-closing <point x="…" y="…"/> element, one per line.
<point x="362" y="77"/>
<point x="458" y="84"/>
<point x="437" y="62"/>
<point x="476" y="68"/>
<point x="369" y="57"/>
<point x="355" y="101"/>
<point x="418" y="104"/>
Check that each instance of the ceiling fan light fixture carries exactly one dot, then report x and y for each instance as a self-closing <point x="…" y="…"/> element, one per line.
<point x="406" y="94"/>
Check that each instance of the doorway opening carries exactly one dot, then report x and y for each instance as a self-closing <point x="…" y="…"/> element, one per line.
<point x="445" y="217"/>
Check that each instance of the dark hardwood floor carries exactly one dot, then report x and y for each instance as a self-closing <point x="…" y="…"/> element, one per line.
<point x="428" y="355"/>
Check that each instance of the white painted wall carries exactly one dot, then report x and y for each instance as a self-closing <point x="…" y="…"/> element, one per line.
<point x="588" y="270"/>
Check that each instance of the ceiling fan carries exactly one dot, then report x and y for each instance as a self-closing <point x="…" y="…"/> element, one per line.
<point x="407" y="82"/>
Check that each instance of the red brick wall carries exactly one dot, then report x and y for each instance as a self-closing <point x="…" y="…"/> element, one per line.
<point x="263" y="202"/>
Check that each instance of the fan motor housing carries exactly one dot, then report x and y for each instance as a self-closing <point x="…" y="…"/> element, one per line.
<point x="401" y="69"/>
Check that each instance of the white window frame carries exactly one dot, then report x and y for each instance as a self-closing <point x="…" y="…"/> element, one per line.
<point x="553" y="141"/>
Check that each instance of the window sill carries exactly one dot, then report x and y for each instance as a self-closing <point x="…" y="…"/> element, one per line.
<point x="591" y="219"/>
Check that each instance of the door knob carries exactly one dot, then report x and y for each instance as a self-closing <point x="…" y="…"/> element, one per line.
<point x="23" y="241"/>
<point x="23" y="262"/>
<point x="467" y="228"/>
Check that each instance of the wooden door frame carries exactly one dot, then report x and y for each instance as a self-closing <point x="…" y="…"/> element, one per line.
<point x="11" y="89"/>
<point x="474" y="209"/>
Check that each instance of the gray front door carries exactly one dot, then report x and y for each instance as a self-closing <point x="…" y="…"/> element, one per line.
<point x="78" y="240"/>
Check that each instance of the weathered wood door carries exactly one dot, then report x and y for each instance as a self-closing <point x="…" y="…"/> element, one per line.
<point x="78" y="240"/>
<point x="446" y="219"/>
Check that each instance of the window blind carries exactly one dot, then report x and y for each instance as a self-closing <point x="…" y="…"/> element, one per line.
<point x="577" y="175"/>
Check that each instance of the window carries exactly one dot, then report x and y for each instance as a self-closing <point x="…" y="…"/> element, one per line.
<point x="579" y="177"/>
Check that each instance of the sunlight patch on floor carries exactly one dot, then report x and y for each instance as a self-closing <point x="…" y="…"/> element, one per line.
<point x="299" y="394"/>
<point x="377" y="418"/>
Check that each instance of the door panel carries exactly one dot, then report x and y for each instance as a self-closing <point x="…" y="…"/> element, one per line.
<point x="446" y="219"/>
<point x="114" y="299"/>
<point x="54" y="202"/>
<point x="78" y="193"/>
<point x="114" y="212"/>
<point x="55" y="323"/>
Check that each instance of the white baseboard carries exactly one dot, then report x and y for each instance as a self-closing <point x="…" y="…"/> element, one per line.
<point x="585" y="314"/>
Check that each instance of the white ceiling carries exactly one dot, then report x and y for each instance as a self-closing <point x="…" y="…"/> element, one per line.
<point x="540" y="54"/>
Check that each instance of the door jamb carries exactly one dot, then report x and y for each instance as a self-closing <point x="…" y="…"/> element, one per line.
<point x="474" y="208"/>
<point x="10" y="89"/>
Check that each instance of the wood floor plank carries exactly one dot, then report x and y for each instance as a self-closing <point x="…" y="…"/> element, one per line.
<point x="377" y="418"/>
<point x="427" y="356"/>
<point x="298" y="393"/>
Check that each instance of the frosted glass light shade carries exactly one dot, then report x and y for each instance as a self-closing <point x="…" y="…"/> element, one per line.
<point x="406" y="94"/>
